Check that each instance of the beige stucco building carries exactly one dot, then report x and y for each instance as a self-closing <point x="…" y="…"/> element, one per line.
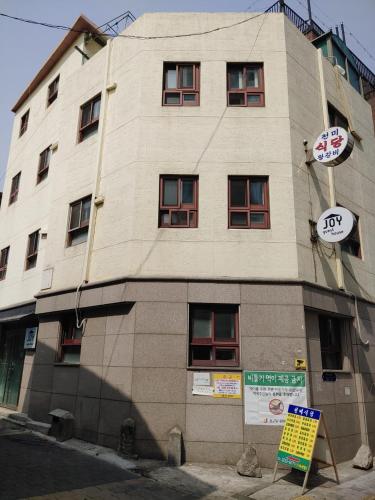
<point x="167" y="206"/>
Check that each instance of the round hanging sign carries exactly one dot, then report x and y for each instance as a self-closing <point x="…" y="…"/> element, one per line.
<point x="335" y="224"/>
<point x="333" y="146"/>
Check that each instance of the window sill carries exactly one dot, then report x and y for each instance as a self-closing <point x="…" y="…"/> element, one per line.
<point x="216" y="368"/>
<point x="66" y="364"/>
<point x="337" y="371"/>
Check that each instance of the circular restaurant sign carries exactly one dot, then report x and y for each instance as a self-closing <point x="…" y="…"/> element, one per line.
<point x="335" y="224"/>
<point x="333" y="146"/>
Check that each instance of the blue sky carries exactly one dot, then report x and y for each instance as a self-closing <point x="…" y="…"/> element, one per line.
<point x="28" y="46"/>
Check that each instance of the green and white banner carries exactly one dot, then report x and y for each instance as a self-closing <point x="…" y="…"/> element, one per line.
<point x="268" y="394"/>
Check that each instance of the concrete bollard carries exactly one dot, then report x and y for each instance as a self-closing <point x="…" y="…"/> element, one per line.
<point x="127" y="438"/>
<point x="175" y="447"/>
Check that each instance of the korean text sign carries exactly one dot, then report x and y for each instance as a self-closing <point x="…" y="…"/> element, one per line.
<point x="333" y="146"/>
<point x="298" y="437"/>
<point x="268" y="394"/>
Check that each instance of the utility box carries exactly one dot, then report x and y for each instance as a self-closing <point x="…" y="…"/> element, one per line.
<point x="62" y="427"/>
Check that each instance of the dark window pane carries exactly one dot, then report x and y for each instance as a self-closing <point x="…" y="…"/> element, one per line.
<point x="225" y="354"/>
<point x="179" y="218"/>
<point x="252" y="77"/>
<point x="186" y="76"/>
<point x="96" y="110"/>
<point x="236" y="99"/>
<point x="189" y="98"/>
<point x="85" y="215"/>
<point x="257" y="193"/>
<point x="188" y="191"/>
<point x="253" y="98"/>
<point x="71" y="354"/>
<point x="236" y="78"/>
<point x="201" y="353"/>
<point x="238" y="219"/>
<point x="201" y="323"/>
<point x="78" y="236"/>
<point x="224" y="325"/>
<point x="171" y="78"/>
<point x="170" y="187"/>
<point x="75" y="215"/>
<point x="192" y="219"/>
<point x="164" y="218"/>
<point x="330" y="343"/>
<point x="172" y="98"/>
<point x="238" y="193"/>
<point x="86" y="112"/>
<point x="257" y="218"/>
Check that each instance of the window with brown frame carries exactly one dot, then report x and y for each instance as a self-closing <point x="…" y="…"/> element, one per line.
<point x="32" y="250"/>
<point x="79" y="218"/>
<point x="14" y="188"/>
<point x="248" y="202"/>
<point x="89" y="118"/>
<point x="178" y="205"/>
<point x="214" y="338"/>
<point x="336" y="119"/>
<point x="245" y="84"/>
<point x="4" y="262"/>
<point x="24" y="122"/>
<point x="181" y="84"/>
<point x="44" y="159"/>
<point x="330" y="330"/>
<point x="53" y="90"/>
<point x="352" y="244"/>
<point x="70" y="341"/>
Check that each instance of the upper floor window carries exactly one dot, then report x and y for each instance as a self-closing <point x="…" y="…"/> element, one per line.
<point x="89" y="118"/>
<point x="352" y="244"/>
<point x="214" y="339"/>
<point x="53" y="90"/>
<point x="245" y="84"/>
<point x="181" y="84"/>
<point x="336" y="119"/>
<point x="32" y="250"/>
<point x="4" y="262"/>
<point x="70" y="341"/>
<point x="79" y="218"/>
<point x="248" y="206"/>
<point x="14" y="188"/>
<point x="331" y="343"/>
<point x="24" y="122"/>
<point x="178" y="206"/>
<point x="44" y="159"/>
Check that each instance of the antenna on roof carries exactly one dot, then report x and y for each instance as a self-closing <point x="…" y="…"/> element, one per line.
<point x="343" y="33"/>
<point x="337" y="31"/>
<point x="309" y="11"/>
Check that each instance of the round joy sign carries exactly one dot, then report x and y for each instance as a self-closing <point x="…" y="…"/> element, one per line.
<point x="333" y="146"/>
<point x="335" y="224"/>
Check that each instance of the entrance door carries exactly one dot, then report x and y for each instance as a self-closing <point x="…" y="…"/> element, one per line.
<point x="11" y="365"/>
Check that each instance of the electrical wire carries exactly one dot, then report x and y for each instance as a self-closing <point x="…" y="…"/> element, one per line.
<point x="136" y="37"/>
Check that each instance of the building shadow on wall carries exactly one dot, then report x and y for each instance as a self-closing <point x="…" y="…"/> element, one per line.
<point x="98" y="393"/>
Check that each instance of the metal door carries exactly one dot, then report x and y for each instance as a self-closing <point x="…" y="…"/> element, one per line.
<point x="11" y="365"/>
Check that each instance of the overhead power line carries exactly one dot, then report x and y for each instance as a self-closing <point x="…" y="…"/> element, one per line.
<point x="137" y="37"/>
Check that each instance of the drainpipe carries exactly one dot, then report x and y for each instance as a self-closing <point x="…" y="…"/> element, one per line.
<point x="95" y="201"/>
<point x="331" y="180"/>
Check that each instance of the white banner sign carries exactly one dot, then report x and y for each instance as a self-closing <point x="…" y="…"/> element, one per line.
<point x="333" y="146"/>
<point x="335" y="224"/>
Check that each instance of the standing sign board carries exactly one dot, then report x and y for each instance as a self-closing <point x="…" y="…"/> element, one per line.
<point x="335" y="224"/>
<point x="333" y="146"/>
<point x="268" y="394"/>
<point x="298" y="440"/>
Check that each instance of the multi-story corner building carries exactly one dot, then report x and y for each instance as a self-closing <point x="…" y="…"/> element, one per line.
<point x="157" y="222"/>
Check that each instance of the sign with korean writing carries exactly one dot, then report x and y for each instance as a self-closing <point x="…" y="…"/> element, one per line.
<point x="227" y="385"/>
<point x="333" y="146"/>
<point x="268" y="394"/>
<point x="335" y="224"/>
<point x="30" y="338"/>
<point x="298" y="438"/>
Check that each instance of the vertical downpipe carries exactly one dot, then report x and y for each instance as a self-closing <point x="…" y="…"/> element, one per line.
<point x="331" y="180"/>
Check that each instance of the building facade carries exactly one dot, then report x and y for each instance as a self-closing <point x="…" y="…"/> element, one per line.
<point x="157" y="221"/>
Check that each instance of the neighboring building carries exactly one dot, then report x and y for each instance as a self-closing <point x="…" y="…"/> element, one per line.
<point x="168" y="205"/>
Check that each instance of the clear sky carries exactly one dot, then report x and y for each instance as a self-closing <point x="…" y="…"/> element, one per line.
<point x="25" y="47"/>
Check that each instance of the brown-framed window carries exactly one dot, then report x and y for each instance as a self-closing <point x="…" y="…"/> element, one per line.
<point x="89" y="118"/>
<point x="14" y="188"/>
<point x="4" y="255"/>
<point x="24" y="122"/>
<point x="336" y="119"/>
<point x="178" y="205"/>
<point x="70" y="341"/>
<point x="79" y="218"/>
<point x="32" y="250"/>
<point x="245" y="84"/>
<point x="53" y="90"/>
<point x="44" y="159"/>
<point x="214" y="337"/>
<point x="248" y="202"/>
<point x="331" y="340"/>
<point x="181" y="84"/>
